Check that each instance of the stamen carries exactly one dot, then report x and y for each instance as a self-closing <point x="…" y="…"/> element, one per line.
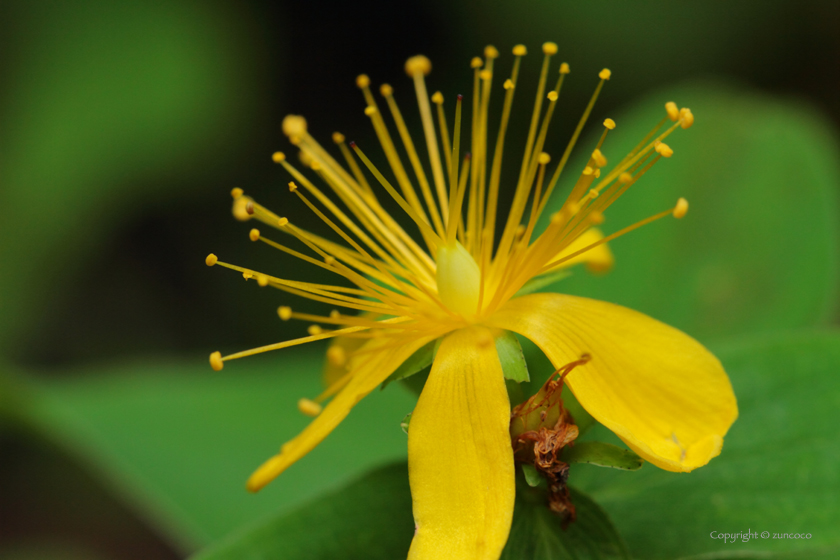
<point x="309" y="407"/>
<point x="417" y="67"/>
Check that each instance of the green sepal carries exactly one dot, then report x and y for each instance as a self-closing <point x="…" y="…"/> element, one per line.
<point x="405" y="422"/>
<point x="532" y="476"/>
<point x="543" y="281"/>
<point x="415" y="363"/>
<point x="602" y="455"/>
<point x="512" y="358"/>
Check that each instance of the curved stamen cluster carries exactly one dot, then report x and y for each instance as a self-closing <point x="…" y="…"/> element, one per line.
<point x="456" y="274"/>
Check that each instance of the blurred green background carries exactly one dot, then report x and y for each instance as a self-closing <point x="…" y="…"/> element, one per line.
<point x="124" y="125"/>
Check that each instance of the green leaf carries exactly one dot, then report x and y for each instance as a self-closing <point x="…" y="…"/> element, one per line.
<point x="777" y="471"/>
<point x="537" y="533"/>
<point x="541" y="282"/>
<point x="603" y="455"/>
<point x="532" y="477"/>
<point x="416" y="363"/>
<point x="179" y="440"/>
<point x="370" y="519"/>
<point x="761" y="179"/>
<point x="104" y="108"/>
<point x="511" y="357"/>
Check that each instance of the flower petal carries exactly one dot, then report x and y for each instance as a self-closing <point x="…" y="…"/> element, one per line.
<point x="659" y="390"/>
<point x="460" y="460"/>
<point x="369" y="370"/>
<point x="597" y="259"/>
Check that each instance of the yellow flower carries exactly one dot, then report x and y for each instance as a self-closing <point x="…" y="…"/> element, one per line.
<point x="659" y="390"/>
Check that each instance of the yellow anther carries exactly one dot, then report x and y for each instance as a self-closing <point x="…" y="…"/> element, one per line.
<point x="282" y="222"/>
<point x="549" y="48"/>
<point x="486" y="75"/>
<point x="336" y="356"/>
<point x="315" y="165"/>
<point x="673" y="112"/>
<point x="664" y="150"/>
<point x="305" y="159"/>
<point x="520" y="50"/>
<point x="605" y="74"/>
<point x="285" y="312"/>
<point x="544" y="158"/>
<point x="609" y="123"/>
<point x="596" y="218"/>
<point x="508" y="84"/>
<point x="254" y="234"/>
<point x="309" y="407"/>
<point x="292" y="186"/>
<point x="599" y="158"/>
<point x="246" y="275"/>
<point x="314" y="329"/>
<point x="687" y="117"/>
<point x="238" y="209"/>
<point x="552" y="95"/>
<point x="386" y="90"/>
<point x="277" y="157"/>
<point x="520" y="231"/>
<point x="329" y="260"/>
<point x="476" y="62"/>
<point x="334" y="314"/>
<point x="262" y="280"/>
<point x="362" y="81"/>
<point x="491" y="52"/>
<point x="597" y="173"/>
<point x="681" y="208"/>
<point x="370" y="110"/>
<point x="592" y="194"/>
<point x="338" y="137"/>
<point x="294" y="125"/>
<point x="564" y="68"/>
<point x="236" y="193"/>
<point x="588" y="170"/>
<point x="211" y="259"/>
<point x="437" y="97"/>
<point x="216" y="361"/>
<point x="418" y="65"/>
<point x="625" y="178"/>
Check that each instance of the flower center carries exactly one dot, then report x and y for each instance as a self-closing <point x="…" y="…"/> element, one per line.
<point x="458" y="279"/>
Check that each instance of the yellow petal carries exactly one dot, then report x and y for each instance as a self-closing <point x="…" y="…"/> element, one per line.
<point x="460" y="460"/>
<point x="658" y="389"/>
<point x="369" y="371"/>
<point x="597" y="259"/>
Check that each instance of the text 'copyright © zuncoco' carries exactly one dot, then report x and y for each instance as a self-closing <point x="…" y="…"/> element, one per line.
<point x="746" y="536"/>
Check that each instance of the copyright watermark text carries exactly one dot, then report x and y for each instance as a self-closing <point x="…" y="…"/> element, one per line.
<point x="746" y="536"/>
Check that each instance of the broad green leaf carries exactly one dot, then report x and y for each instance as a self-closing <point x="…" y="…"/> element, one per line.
<point x="370" y="519"/>
<point x="180" y="440"/>
<point x="758" y="250"/>
<point x="417" y="362"/>
<point x="777" y="471"/>
<point x="511" y="357"/>
<point x="537" y="533"/>
<point x="105" y="106"/>
<point x="603" y="455"/>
